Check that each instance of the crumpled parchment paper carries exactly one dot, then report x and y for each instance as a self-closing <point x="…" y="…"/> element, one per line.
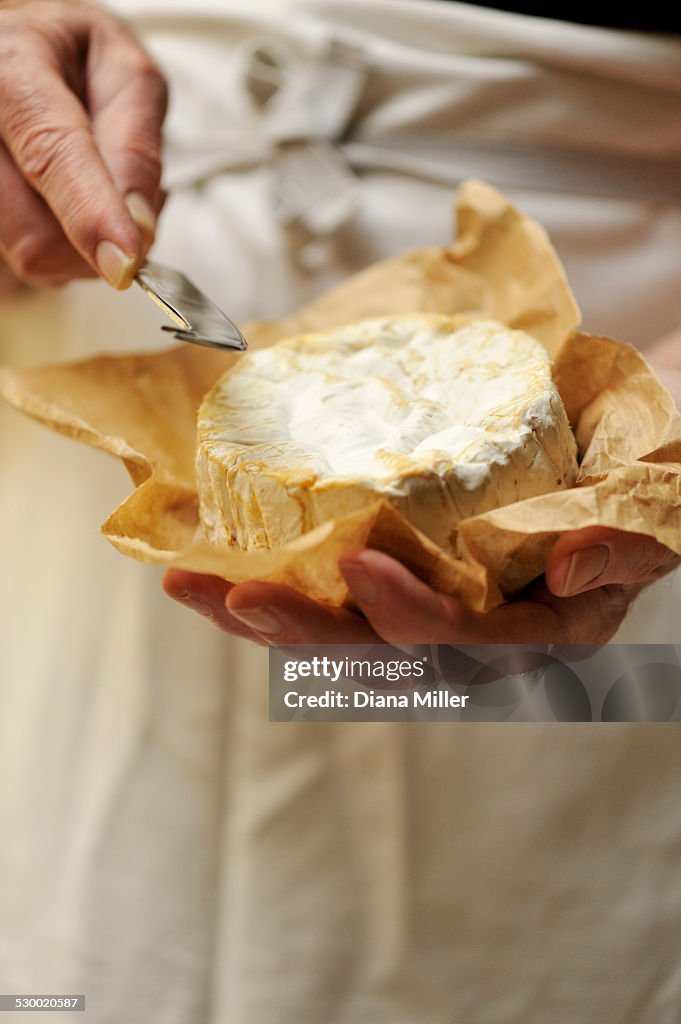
<point x="142" y="409"/>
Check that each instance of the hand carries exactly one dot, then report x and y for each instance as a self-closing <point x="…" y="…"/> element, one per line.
<point x="592" y="575"/>
<point x="81" y="110"/>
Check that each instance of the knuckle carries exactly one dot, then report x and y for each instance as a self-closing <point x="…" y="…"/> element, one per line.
<point x="14" y="35"/>
<point x="28" y="258"/>
<point x="32" y="261"/>
<point x="395" y="628"/>
<point x="405" y="635"/>
<point x="452" y="620"/>
<point x="612" y="603"/>
<point x="11" y="38"/>
<point x="41" y="149"/>
<point x="10" y="284"/>
<point x="149" y="79"/>
<point x="647" y="560"/>
<point x="40" y="260"/>
<point x="574" y="631"/>
<point x="19" y="103"/>
<point x="154" y="81"/>
<point x="144" y="155"/>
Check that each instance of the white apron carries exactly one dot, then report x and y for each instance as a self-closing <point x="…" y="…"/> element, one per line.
<point x="163" y="848"/>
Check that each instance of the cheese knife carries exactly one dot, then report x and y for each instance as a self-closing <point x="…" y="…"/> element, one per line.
<point x="195" y="317"/>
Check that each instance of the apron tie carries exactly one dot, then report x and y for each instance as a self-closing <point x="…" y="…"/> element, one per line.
<point x="305" y="109"/>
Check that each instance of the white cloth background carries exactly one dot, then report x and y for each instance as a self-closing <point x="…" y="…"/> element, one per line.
<point x="163" y="848"/>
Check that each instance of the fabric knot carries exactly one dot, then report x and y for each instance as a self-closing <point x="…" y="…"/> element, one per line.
<point x="305" y="109"/>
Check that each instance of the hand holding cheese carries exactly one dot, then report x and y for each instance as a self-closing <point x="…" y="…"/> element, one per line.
<point x="81" y="109"/>
<point x="443" y="417"/>
<point x="592" y="575"/>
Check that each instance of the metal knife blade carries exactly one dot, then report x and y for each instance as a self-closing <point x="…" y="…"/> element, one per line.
<point x="197" y="318"/>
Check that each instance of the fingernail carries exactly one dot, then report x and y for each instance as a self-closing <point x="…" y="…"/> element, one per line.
<point x="115" y="266"/>
<point x="195" y="603"/>
<point x="262" y="620"/>
<point x="360" y="582"/>
<point x="143" y="216"/>
<point x="585" y="567"/>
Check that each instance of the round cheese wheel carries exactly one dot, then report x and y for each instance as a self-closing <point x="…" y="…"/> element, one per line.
<point x="444" y="417"/>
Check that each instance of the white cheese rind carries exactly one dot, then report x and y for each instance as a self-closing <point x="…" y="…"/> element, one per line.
<point x="441" y="416"/>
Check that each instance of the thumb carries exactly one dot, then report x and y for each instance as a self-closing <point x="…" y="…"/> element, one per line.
<point x="597" y="556"/>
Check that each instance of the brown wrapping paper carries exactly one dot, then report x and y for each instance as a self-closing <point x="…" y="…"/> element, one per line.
<point x="142" y="409"/>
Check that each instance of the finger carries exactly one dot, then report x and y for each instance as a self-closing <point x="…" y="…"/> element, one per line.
<point x="402" y="609"/>
<point x="48" y="134"/>
<point x="161" y="199"/>
<point x="127" y="100"/>
<point x="283" y="616"/>
<point x="32" y="244"/>
<point x="205" y="595"/>
<point x="9" y="283"/>
<point x="597" y="556"/>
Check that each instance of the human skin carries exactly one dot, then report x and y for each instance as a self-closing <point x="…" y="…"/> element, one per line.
<point x="81" y="111"/>
<point x="592" y="576"/>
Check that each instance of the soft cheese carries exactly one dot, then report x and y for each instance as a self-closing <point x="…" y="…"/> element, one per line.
<point x="441" y="416"/>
